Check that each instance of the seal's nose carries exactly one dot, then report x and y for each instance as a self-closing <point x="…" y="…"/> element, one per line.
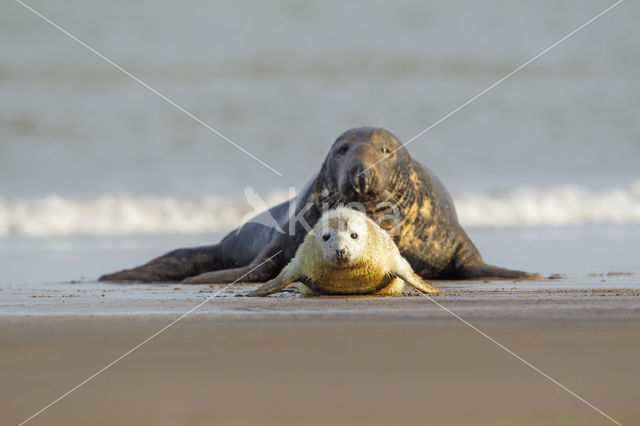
<point x="360" y="179"/>
<point x="341" y="252"/>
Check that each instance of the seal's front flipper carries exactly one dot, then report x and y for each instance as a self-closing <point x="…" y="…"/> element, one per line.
<point x="264" y="267"/>
<point x="284" y="278"/>
<point x="270" y="287"/>
<point x="249" y="273"/>
<point x="403" y="270"/>
<point x="217" y="277"/>
<point x="418" y="283"/>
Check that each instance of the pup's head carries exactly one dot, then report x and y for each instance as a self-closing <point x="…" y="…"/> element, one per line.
<point x="342" y="234"/>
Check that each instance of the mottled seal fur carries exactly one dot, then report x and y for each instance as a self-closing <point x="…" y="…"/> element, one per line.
<point x="346" y="253"/>
<point x="427" y="231"/>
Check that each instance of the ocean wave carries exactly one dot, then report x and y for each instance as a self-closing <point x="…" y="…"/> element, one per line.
<point x="563" y="206"/>
<point x="55" y="215"/>
<point x="122" y="214"/>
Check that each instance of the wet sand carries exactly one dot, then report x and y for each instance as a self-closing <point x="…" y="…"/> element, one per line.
<point x="291" y="360"/>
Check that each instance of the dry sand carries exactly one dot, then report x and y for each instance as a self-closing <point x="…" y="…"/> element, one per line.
<point x="289" y="360"/>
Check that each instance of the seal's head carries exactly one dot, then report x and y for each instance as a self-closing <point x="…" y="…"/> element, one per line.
<point x="342" y="235"/>
<point x="362" y="162"/>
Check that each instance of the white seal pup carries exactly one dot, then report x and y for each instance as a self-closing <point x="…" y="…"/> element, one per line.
<point x="346" y="253"/>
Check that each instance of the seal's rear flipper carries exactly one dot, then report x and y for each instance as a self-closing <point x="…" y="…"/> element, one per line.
<point x="494" y="272"/>
<point x="171" y="267"/>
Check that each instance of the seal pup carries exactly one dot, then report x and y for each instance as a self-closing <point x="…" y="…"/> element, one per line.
<point x="346" y="253"/>
<point x="364" y="165"/>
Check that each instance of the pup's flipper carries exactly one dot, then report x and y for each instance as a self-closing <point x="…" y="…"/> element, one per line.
<point x="271" y="286"/>
<point x="419" y="284"/>
<point x="404" y="271"/>
<point x="284" y="278"/>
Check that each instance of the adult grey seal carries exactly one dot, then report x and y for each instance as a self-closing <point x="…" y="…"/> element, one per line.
<point x="346" y="253"/>
<point x="425" y="228"/>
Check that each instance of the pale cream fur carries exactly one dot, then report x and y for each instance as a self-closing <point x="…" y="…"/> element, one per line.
<point x="371" y="256"/>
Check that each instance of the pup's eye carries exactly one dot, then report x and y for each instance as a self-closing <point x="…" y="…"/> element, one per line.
<point x="354" y="235"/>
<point x="385" y="150"/>
<point x="342" y="149"/>
<point x="326" y="237"/>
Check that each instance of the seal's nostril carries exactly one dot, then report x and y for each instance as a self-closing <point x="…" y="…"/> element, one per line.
<point x="356" y="179"/>
<point x="368" y="178"/>
<point x="362" y="182"/>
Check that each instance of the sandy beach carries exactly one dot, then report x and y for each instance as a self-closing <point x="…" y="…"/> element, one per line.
<point x="332" y="360"/>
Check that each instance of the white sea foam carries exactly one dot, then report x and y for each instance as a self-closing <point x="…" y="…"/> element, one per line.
<point x="563" y="206"/>
<point x="122" y="214"/>
<point x="126" y="214"/>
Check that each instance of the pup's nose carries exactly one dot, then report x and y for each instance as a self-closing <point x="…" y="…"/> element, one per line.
<point x="341" y="252"/>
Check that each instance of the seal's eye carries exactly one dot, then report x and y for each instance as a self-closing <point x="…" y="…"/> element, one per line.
<point x="385" y="150"/>
<point x="342" y="149"/>
<point x="354" y="235"/>
<point x="326" y="237"/>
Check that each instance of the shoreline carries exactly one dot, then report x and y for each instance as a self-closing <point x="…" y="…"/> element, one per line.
<point x="618" y="297"/>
